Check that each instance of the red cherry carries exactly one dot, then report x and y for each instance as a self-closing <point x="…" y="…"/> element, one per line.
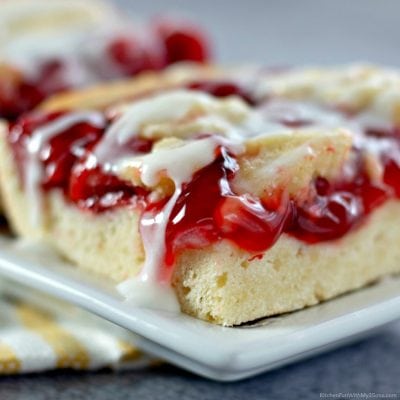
<point x="95" y="190"/>
<point x="17" y="100"/>
<point x="131" y="56"/>
<point x="139" y="145"/>
<point x="22" y="128"/>
<point x="247" y="223"/>
<point x="60" y="154"/>
<point x="327" y="217"/>
<point x="382" y="133"/>
<point x="27" y="94"/>
<point x="191" y="224"/>
<point x="64" y="149"/>
<point x="392" y="175"/>
<point x="322" y="186"/>
<point x="182" y="41"/>
<point x="222" y="89"/>
<point x="52" y="76"/>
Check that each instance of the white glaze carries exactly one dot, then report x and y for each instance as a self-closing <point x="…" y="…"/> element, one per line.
<point x="179" y="164"/>
<point x="150" y="294"/>
<point x="171" y="105"/>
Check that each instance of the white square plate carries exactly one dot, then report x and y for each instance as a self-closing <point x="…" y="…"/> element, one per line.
<point x="216" y="352"/>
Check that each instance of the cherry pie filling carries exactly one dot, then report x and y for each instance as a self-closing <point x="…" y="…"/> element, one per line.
<point x="30" y="91"/>
<point x="208" y="209"/>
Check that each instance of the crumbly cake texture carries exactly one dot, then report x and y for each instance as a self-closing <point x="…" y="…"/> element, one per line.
<point x="222" y="283"/>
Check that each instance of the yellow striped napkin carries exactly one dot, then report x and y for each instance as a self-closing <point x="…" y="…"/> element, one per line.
<point x="35" y="338"/>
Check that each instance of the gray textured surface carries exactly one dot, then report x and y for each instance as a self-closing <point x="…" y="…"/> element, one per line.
<point x="368" y="366"/>
<point x="296" y="32"/>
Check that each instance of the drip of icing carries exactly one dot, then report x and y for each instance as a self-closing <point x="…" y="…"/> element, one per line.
<point x="147" y="289"/>
<point x="179" y="164"/>
<point x="33" y="171"/>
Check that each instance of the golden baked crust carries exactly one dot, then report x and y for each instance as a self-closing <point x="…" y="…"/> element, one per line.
<point x="103" y="95"/>
<point x="221" y="283"/>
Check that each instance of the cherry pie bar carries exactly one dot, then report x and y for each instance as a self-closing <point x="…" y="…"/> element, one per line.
<point x="231" y="193"/>
<point x="50" y="46"/>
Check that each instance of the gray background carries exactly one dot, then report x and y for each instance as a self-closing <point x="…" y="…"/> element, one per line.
<point x="291" y="31"/>
<point x="279" y="32"/>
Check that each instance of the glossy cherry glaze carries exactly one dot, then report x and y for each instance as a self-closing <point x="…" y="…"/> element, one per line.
<point x="64" y="162"/>
<point x="60" y="153"/>
<point x="208" y="211"/>
<point x="90" y="188"/>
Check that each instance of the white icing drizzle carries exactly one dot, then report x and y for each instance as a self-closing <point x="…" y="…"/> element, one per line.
<point x="153" y="236"/>
<point x="172" y="105"/>
<point x="33" y="171"/>
<point x="179" y="165"/>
